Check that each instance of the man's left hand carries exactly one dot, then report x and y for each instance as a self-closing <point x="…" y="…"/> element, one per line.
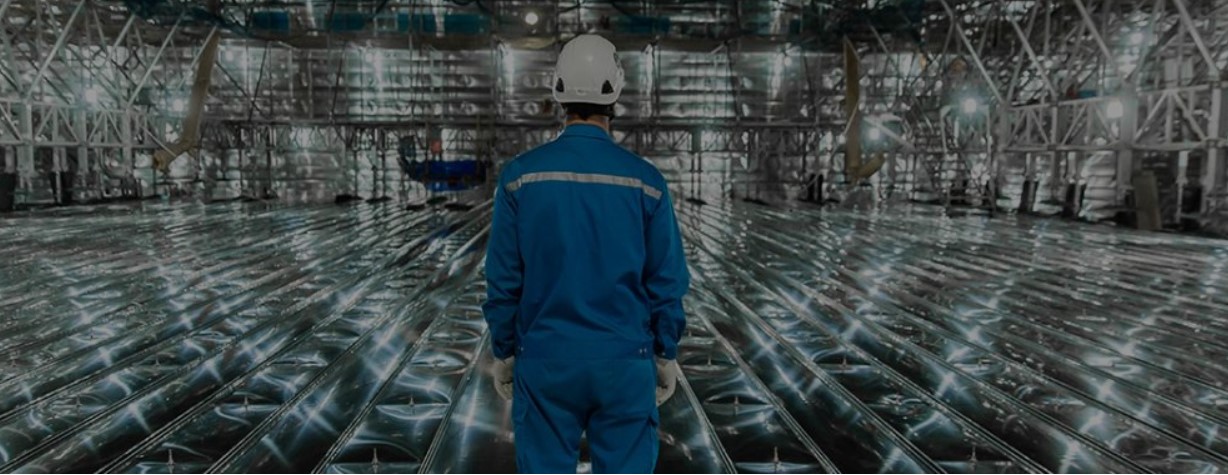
<point x="667" y="379"/>
<point x="504" y="375"/>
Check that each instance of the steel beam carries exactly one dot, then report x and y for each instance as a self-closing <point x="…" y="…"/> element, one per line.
<point x="4" y="7"/>
<point x="1091" y="29"/>
<point x="55" y="50"/>
<point x="123" y="33"/>
<point x="136" y="91"/>
<point x="1027" y="48"/>
<point x="976" y="56"/>
<point x="1184" y="14"/>
<point x="9" y="60"/>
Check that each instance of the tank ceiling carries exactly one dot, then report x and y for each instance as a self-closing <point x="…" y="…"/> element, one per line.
<point x="251" y="337"/>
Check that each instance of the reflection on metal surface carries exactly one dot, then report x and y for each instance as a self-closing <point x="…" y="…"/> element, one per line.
<point x="244" y="337"/>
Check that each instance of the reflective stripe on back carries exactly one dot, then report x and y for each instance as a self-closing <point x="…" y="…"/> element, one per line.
<point x="584" y="178"/>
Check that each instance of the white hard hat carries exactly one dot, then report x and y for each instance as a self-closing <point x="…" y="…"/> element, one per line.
<point x="588" y="72"/>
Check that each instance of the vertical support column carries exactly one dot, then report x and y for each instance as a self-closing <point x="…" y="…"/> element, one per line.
<point x="1126" y="159"/>
<point x="1074" y="197"/>
<point x="357" y="187"/>
<point x="25" y="151"/>
<point x="81" y="128"/>
<point x="1147" y="201"/>
<point x="948" y="188"/>
<point x="244" y="141"/>
<point x="1213" y="166"/>
<point x="1056" y="127"/>
<point x="1183" y="166"/>
<point x="696" y="159"/>
<point x="269" y="140"/>
<point x="1027" y="196"/>
<point x="58" y="161"/>
<point x="128" y="138"/>
<point x="291" y="105"/>
<point x="1000" y="136"/>
<point x="8" y="181"/>
<point x="1064" y="167"/>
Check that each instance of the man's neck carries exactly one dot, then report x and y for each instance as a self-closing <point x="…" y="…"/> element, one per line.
<point x="597" y="120"/>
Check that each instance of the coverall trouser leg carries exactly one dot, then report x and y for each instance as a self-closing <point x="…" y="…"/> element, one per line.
<point x="613" y="400"/>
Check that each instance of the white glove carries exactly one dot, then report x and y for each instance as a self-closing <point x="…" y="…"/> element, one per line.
<point x="667" y="379"/>
<point x="504" y="376"/>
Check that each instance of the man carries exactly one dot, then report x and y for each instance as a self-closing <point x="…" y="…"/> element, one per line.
<point x="585" y="278"/>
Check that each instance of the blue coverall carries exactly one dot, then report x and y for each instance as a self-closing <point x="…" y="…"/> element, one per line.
<point x="585" y="277"/>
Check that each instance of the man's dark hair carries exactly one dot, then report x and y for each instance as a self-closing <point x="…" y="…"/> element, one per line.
<point x="584" y="111"/>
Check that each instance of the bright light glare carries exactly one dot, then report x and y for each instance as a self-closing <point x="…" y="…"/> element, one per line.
<point x="179" y="105"/>
<point x="1115" y="110"/>
<point x="875" y="134"/>
<point x="970" y="105"/>
<point x="531" y="18"/>
<point x="509" y="66"/>
<point x="91" y="95"/>
<point x="1136" y="38"/>
<point x="301" y="136"/>
<point x="375" y="59"/>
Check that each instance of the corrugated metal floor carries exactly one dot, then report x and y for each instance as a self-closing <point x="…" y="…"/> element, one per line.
<point x="343" y="339"/>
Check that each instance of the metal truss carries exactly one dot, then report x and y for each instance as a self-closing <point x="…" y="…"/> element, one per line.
<point x="1151" y="72"/>
<point x="1069" y="92"/>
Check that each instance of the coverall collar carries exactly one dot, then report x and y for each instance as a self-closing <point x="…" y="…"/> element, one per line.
<point x="585" y="130"/>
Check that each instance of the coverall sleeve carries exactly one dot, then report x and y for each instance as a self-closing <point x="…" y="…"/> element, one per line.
<point x="504" y="273"/>
<point x="666" y="278"/>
